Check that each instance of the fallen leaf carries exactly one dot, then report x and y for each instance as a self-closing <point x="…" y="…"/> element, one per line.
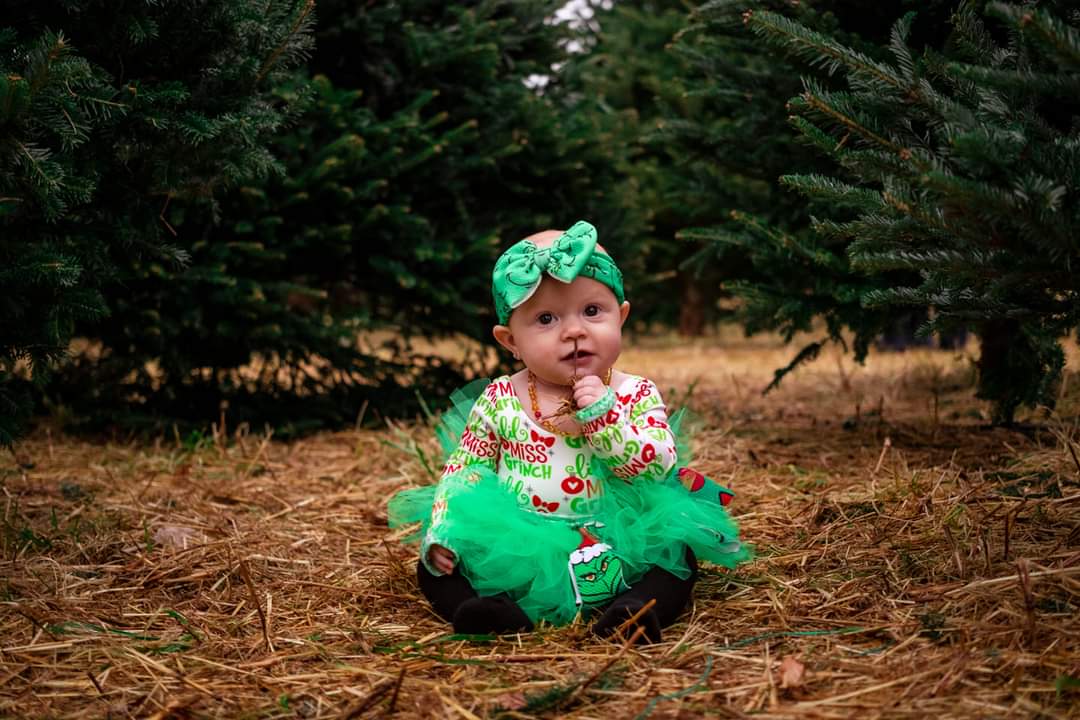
<point x="178" y="536"/>
<point x="791" y="672"/>
<point x="512" y="701"/>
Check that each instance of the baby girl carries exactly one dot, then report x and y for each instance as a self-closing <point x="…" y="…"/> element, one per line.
<point x="563" y="494"/>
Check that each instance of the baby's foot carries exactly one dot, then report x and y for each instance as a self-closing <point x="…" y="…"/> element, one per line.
<point x="623" y="609"/>
<point x="480" y="615"/>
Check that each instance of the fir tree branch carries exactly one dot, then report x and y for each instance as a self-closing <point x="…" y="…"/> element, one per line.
<point x="827" y="189"/>
<point x="787" y="242"/>
<point x="1026" y="80"/>
<point x="822" y="106"/>
<point x="722" y="8"/>
<point x="819" y="50"/>
<point x="809" y="353"/>
<point x="308" y="6"/>
<point x="34" y="159"/>
<point x="898" y="44"/>
<point x="965" y="263"/>
<point x="1050" y="33"/>
<point x="972" y="37"/>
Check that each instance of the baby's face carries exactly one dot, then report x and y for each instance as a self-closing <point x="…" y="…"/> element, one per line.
<point x="544" y="328"/>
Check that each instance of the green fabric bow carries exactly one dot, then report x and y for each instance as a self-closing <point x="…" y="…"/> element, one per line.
<point x="520" y="269"/>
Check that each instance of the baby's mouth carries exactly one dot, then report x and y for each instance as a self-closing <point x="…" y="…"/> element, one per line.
<point x="581" y="354"/>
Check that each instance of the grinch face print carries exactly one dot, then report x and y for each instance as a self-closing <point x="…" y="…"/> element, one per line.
<point x="596" y="572"/>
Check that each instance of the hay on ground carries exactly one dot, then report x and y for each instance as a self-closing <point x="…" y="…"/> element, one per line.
<point x="912" y="563"/>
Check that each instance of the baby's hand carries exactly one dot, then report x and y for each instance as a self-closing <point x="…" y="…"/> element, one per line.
<point x="588" y="390"/>
<point x="442" y="559"/>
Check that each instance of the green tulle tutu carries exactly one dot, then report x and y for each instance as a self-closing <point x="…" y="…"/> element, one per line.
<point x="555" y="567"/>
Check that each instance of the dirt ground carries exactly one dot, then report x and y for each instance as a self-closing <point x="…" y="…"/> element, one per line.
<point x="912" y="561"/>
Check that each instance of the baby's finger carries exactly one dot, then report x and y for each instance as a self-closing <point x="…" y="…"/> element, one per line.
<point x="585" y="398"/>
<point x="587" y="381"/>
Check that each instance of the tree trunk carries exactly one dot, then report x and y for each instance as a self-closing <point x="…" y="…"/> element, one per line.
<point x="998" y="341"/>
<point x="692" y="308"/>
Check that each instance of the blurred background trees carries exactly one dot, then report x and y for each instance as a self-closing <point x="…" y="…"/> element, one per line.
<point x="261" y="213"/>
<point x="114" y="118"/>
<point x="406" y="170"/>
<point x="762" y="246"/>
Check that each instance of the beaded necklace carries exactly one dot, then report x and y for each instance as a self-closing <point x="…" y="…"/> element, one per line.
<point x="544" y="421"/>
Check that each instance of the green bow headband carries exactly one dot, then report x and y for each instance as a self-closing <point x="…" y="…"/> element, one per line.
<point x="520" y="269"/>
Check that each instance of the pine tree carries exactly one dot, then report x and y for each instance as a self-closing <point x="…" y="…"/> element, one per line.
<point x="108" y="115"/>
<point x="423" y="152"/>
<point x="960" y="167"/>
<point x="763" y="246"/>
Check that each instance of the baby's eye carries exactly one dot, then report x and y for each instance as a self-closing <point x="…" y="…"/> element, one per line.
<point x="545" y="318"/>
<point x="592" y="310"/>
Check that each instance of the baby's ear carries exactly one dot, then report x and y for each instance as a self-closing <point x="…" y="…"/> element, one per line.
<point x="624" y="312"/>
<point x="504" y="337"/>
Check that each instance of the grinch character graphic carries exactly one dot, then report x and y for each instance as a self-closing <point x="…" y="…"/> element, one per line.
<point x="596" y="572"/>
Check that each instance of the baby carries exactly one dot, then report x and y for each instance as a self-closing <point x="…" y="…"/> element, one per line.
<point x="564" y="494"/>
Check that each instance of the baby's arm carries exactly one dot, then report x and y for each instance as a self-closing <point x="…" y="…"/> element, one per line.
<point x="479" y="445"/>
<point x="630" y="432"/>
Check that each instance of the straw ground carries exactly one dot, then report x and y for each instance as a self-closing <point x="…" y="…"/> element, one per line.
<point x="912" y="561"/>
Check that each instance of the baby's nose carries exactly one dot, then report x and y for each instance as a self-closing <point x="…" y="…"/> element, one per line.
<point x="573" y="329"/>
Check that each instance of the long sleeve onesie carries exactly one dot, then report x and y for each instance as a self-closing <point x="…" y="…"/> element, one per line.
<point x="549" y="473"/>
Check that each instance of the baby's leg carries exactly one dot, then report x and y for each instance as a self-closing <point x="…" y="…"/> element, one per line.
<point x="455" y="601"/>
<point x="446" y="593"/>
<point x="670" y="592"/>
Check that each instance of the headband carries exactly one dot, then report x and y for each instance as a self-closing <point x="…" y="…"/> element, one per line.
<point x="520" y="269"/>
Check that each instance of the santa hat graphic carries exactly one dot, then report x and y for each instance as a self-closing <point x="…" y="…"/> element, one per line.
<point x="589" y="549"/>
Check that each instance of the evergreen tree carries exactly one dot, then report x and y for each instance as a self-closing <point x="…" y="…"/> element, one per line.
<point x="423" y="153"/>
<point x="734" y="150"/>
<point x="960" y="166"/>
<point x="111" y="117"/>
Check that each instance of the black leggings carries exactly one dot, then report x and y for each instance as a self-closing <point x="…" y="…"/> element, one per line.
<point x="672" y="594"/>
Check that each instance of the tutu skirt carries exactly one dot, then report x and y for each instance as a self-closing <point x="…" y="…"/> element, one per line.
<point x="555" y="567"/>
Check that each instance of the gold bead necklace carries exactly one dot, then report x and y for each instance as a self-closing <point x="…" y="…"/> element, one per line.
<point x="565" y="407"/>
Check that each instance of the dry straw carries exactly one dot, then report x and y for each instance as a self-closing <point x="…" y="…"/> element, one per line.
<point x="912" y="562"/>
